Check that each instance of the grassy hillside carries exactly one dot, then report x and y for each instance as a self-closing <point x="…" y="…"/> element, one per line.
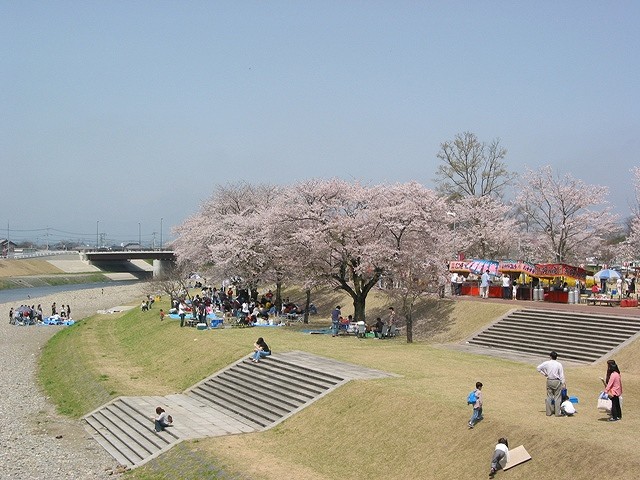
<point x="409" y="427"/>
<point x="27" y="273"/>
<point x="18" y="268"/>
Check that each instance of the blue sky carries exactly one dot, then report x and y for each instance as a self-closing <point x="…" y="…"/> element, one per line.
<point x="128" y="112"/>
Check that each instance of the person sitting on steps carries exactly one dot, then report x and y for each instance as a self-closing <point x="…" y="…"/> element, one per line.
<point x="260" y="350"/>
<point x="162" y="420"/>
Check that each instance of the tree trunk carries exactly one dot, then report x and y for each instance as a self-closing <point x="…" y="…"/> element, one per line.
<point x="306" y="306"/>
<point x="278" y="302"/>
<point x="359" y="302"/>
<point x="409" y="328"/>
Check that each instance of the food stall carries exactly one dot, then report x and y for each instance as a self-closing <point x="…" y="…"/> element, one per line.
<point x="474" y="268"/>
<point x="516" y="269"/>
<point x="558" y="293"/>
<point x="479" y="266"/>
<point x="462" y="267"/>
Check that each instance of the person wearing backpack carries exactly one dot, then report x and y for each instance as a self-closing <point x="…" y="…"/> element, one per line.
<point x="475" y="399"/>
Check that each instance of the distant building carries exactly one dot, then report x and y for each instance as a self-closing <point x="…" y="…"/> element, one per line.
<point x="6" y="246"/>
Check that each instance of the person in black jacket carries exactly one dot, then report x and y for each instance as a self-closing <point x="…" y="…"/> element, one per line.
<point x="260" y="350"/>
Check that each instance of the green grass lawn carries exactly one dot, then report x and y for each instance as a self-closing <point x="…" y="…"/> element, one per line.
<point x="410" y="427"/>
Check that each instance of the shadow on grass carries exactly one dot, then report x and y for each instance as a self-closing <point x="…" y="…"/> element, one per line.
<point x="433" y="317"/>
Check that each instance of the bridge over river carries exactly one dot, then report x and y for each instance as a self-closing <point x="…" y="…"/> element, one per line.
<point x="162" y="259"/>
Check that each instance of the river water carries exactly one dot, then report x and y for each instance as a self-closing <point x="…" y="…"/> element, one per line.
<point x="23" y="295"/>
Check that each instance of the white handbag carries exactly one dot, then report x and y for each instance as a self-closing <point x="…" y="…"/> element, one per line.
<point x="604" y="402"/>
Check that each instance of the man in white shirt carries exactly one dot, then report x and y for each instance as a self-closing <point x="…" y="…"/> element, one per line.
<point x="484" y="284"/>
<point x="552" y="369"/>
<point x="506" y="286"/>
<point x="454" y="282"/>
<point x="459" y="283"/>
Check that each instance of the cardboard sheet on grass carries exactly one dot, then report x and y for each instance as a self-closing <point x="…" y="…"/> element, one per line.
<point x="517" y="456"/>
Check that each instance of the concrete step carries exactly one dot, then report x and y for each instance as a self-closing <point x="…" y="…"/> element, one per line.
<point x="241" y="404"/>
<point x="566" y="332"/>
<point x="584" y="316"/>
<point x="248" y="378"/>
<point x="525" y="348"/>
<point x="583" y="319"/>
<point x="286" y="380"/>
<point x="557" y="333"/>
<point x="544" y="344"/>
<point x="285" y="370"/>
<point x="117" y="444"/>
<point x="579" y="337"/>
<point x="569" y="322"/>
<point x="264" y="392"/>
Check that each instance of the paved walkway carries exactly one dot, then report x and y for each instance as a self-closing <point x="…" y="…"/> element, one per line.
<point x="570" y="307"/>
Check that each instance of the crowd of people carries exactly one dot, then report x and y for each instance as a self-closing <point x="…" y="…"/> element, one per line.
<point x="246" y="306"/>
<point x="32" y="315"/>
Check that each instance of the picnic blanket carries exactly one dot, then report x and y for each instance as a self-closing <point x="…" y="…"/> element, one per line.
<point x="56" y="320"/>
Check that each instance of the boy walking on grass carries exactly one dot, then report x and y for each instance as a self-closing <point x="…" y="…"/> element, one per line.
<point x="477" y="406"/>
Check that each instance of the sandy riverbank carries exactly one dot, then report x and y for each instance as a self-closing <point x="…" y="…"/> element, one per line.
<point x="85" y="303"/>
<point x="36" y="442"/>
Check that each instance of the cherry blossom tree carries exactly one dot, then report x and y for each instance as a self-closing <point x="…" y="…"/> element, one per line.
<point x="325" y="232"/>
<point x="233" y="234"/>
<point x="417" y="221"/>
<point x="571" y="218"/>
<point x="484" y="227"/>
<point x="472" y="168"/>
<point x="336" y="237"/>
<point x="630" y="249"/>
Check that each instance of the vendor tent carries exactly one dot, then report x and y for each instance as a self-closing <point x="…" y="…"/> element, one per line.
<point x="459" y="266"/>
<point x="479" y="266"/>
<point x="607" y="274"/>
<point x="552" y="270"/>
<point x="516" y="266"/>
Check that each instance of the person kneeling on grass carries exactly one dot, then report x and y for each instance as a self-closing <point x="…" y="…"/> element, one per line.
<point x="567" y="407"/>
<point x="260" y="350"/>
<point x="162" y="420"/>
<point x="500" y="456"/>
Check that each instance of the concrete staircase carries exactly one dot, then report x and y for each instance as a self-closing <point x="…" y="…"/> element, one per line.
<point x="578" y="337"/>
<point x="262" y="395"/>
<point x="244" y="397"/>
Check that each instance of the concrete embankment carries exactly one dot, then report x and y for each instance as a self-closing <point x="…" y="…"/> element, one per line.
<point x="66" y="269"/>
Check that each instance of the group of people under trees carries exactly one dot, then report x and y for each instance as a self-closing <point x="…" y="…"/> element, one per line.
<point x="381" y="329"/>
<point x="245" y="305"/>
<point x="31" y="315"/>
<point x="557" y="402"/>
